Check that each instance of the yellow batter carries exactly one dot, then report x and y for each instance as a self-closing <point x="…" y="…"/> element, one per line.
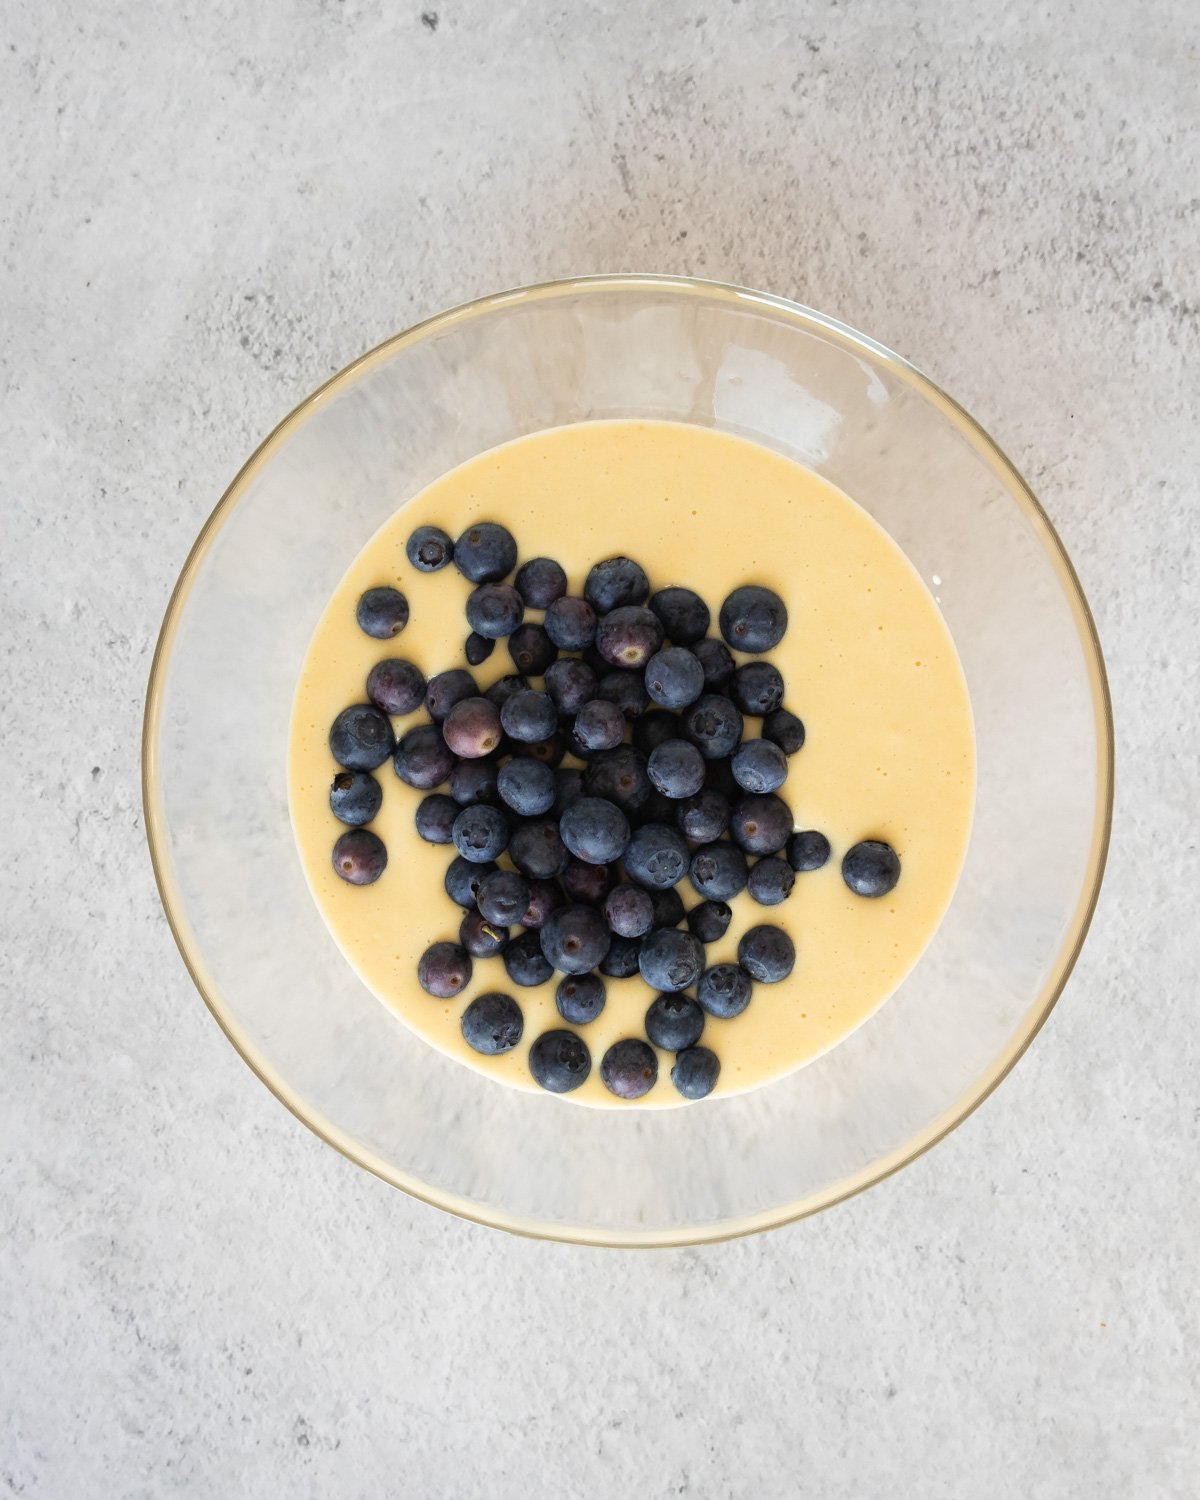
<point x="869" y="667"/>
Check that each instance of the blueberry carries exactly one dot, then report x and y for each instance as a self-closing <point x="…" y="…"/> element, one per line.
<point x="674" y="1022"/>
<point x="785" y="730"/>
<point x="668" y="907"/>
<point x="808" y="850"/>
<point x="503" y="897"/>
<point x="527" y="786"/>
<point x="359" y="856"/>
<point x="485" y="552"/>
<point x="767" y="954"/>
<point x="571" y="683"/>
<point x="724" y="991"/>
<point x="760" y="824"/>
<point x="621" y="960"/>
<point x="429" y="548"/>
<point x="657" y="808"/>
<point x="657" y="856"/>
<point x="444" y="970"/>
<point x="626" y="689"/>
<point x="463" y="879"/>
<point x="629" y="1068"/>
<point x="361" y="737"/>
<point x="592" y="658"/>
<point x="871" y="868"/>
<point x="757" y="688"/>
<point x="574" y="939"/>
<point x="599" y="725"/>
<point x="719" y="871"/>
<point x="382" y="613"/>
<point x="671" y="959"/>
<point x="481" y="938"/>
<point x="480" y="833"/>
<point x="559" y="1061"/>
<point x="580" y="998"/>
<point x="714" y="726"/>
<point x="537" y="850"/>
<point x="771" y="881"/>
<point x="524" y="962"/>
<point x="716" y="662"/>
<point x="651" y="729"/>
<point x="355" y="797"/>
<point x="568" y="788"/>
<point x="629" y="636"/>
<point x="586" y="883"/>
<point x="494" y="610"/>
<point x="492" y="1024"/>
<point x="595" y="830"/>
<point x="505" y="688"/>
<point x="685" y="616"/>
<point x="477" y="649"/>
<point x="618" y="776"/>
<point x="544" y="897"/>
<point x="531" y="649"/>
<point x="445" y="689"/>
<point x="540" y="582"/>
<point x="571" y="624"/>
<point x="709" y="921"/>
<point x="674" y="678"/>
<point x="629" y="911"/>
<point x="759" y="766"/>
<point x="475" y="781"/>
<point x="548" y="752"/>
<point x="676" y="769"/>
<point x="704" y="817"/>
<point x="615" y="582"/>
<point x="396" y="686"/>
<point x="472" y="728"/>
<point x="423" y="759"/>
<point x="696" y="1072"/>
<point x="529" y="715"/>
<point x="753" y="618"/>
<point x="435" y="818"/>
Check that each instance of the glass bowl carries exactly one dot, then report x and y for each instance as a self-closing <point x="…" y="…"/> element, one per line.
<point x="263" y="568"/>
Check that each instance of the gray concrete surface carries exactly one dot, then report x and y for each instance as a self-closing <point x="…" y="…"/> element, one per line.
<point x="207" y="208"/>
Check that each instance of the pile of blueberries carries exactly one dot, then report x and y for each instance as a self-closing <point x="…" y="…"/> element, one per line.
<point x="665" y="788"/>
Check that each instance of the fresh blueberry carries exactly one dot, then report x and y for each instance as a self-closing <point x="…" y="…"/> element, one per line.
<point x="599" y="725"/>
<point x="481" y="938"/>
<point x="540" y="582"/>
<point x="685" y="616"/>
<point x="359" y="856"/>
<point x="595" y="830"/>
<point x="527" y="786"/>
<point x="626" y="689"/>
<point x="559" y="1061"/>
<point x="716" y="662"/>
<point x="618" y="776"/>
<point x="480" y="833"/>
<point x="808" y="850"/>
<point x="621" y="960"/>
<point x="757" y="688"/>
<point x="477" y="649"/>
<point x="574" y="939"/>
<point x="719" y="871"/>
<point x="668" y="907"/>
<point x="505" y="688"/>
<point x="676" y="769"/>
<point x="549" y="752"/>
<point x="714" y="726"/>
<point x="382" y="613"/>
<point x="753" y="618"/>
<point x="629" y="911"/>
<point x="724" y="991"/>
<point x="696" y="1072"/>
<point x="571" y="683"/>
<point x="494" y="610"/>
<point x="444" y="970"/>
<point x="704" y="817"/>
<point x="760" y="824"/>
<point x="580" y="998"/>
<point x="771" y="881"/>
<point x="759" y="766"/>
<point x="615" y="582"/>
<point x="544" y="897"/>
<point x="657" y="808"/>
<point x="586" y="883"/>
<point x="785" y="730"/>
<point x="361" y="737"/>
<point x="475" y="781"/>
<point x="651" y="729"/>
<point x="674" y="1022"/>
<point x="629" y="1068"/>
<point x="674" y="678"/>
<point x="531" y="649"/>
<point x="537" y="850"/>
<point x="355" y="797"/>
<point x="435" y="817"/>
<point x="429" y="548"/>
<point x="423" y="759"/>
<point x="485" y="552"/>
<point x="445" y="689"/>
<point x="767" y="954"/>
<point x="524" y="962"/>
<point x="657" y="856"/>
<point x="395" y="686"/>
<point x="671" y="959"/>
<point x="463" y="879"/>
<point x="492" y="1024"/>
<point x="529" y="715"/>
<point x="503" y="897"/>
<point x="871" y="868"/>
<point x="629" y="636"/>
<point x="472" y="728"/>
<point x="571" y="624"/>
<point x="568" y="788"/>
<point x="709" y="921"/>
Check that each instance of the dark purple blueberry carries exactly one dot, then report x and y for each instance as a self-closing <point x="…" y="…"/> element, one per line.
<point x="446" y="689"/>
<point x="871" y="868"/>
<point x="527" y="786"/>
<point x="621" y="960"/>
<point x="503" y="897"/>
<point x="753" y="618"/>
<point x="629" y="911"/>
<point x="382" y="613"/>
<point x="475" y="781"/>
<point x="595" y="830"/>
<point x="568" y="788"/>
<point x="544" y="897"/>
<point x="435" y="817"/>
<point x="559" y="1061"/>
<point x="717" y="664"/>
<point x="767" y="954"/>
<point x="674" y="678"/>
<point x="657" y="857"/>
<point x="592" y="658"/>
<point x="628" y="637"/>
<point x="808" y="850"/>
<point x="709" y="921"/>
<point x="549" y="751"/>
<point x="361" y="737"/>
<point x="574" y="939"/>
<point x="771" y="881"/>
<point x="492" y="1024"/>
<point x="504" y="688"/>
<point x="719" y="871"/>
<point x="668" y="907"/>
<point x="537" y="850"/>
<point x="481" y="938"/>
<point x="480" y="833"/>
<point x="529" y="716"/>
<point x="571" y="624"/>
<point x="685" y="616"/>
<point x="785" y="730"/>
<point x="759" y="766"/>
<point x="423" y="759"/>
<point x="724" y="991"/>
<point x="355" y="797"/>
<point x="599" y="725"/>
<point x="396" y="686"/>
<point x="540" y="582"/>
<point x="676" y="769"/>
<point x="524" y="962"/>
<point x="477" y="649"/>
<point x="580" y="998"/>
<point x="444" y="970"/>
<point x="586" y="883"/>
<point x="704" y="817"/>
<point x="462" y="880"/>
<point x="696" y="1072"/>
<point x="618" y="776"/>
<point x="671" y="959"/>
<point x="614" y="582"/>
<point x="657" y="808"/>
<point x="761" y="825"/>
<point x="674" y="1022"/>
<point x="571" y="683"/>
<point x="472" y="728"/>
<point x="531" y="649"/>
<point x="626" y="689"/>
<point x="429" y="548"/>
<point x="485" y="552"/>
<point x="494" y="610"/>
<point x="714" y="726"/>
<point x="651" y="729"/>
<point x="629" y="1068"/>
<point x="359" y="856"/>
<point x="757" y="688"/>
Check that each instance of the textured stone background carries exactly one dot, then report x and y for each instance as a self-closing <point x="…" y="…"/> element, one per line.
<point x="207" y="208"/>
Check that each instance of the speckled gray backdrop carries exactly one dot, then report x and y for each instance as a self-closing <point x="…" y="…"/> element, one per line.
<point x="207" y="208"/>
